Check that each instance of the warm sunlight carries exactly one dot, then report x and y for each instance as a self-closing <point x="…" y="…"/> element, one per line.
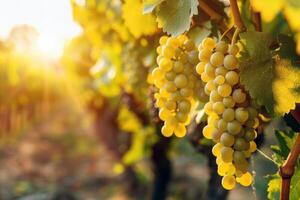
<point x="52" y="19"/>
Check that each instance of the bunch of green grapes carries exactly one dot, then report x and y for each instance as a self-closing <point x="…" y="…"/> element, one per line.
<point x="232" y="120"/>
<point x="177" y="83"/>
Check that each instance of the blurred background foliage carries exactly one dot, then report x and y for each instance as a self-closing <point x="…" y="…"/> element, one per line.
<point x="83" y="126"/>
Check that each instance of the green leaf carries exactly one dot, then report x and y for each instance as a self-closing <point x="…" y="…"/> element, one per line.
<point x="174" y="16"/>
<point x="257" y="67"/>
<point x="274" y="188"/>
<point x="150" y="5"/>
<point x="282" y="140"/>
<point x="199" y="33"/>
<point x="295" y="186"/>
<point x="271" y="78"/>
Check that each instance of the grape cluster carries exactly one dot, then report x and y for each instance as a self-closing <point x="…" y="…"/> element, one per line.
<point x="231" y="120"/>
<point x="177" y="83"/>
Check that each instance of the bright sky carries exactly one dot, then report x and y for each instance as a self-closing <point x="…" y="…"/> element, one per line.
<point x="51" y="18"/>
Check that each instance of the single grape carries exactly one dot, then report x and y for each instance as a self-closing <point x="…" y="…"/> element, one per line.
<point x="228" y="102"/>
<point x="250" y="135"/>
<point x="216" y="150"/>
<point x="170" y="104"/>
<point x="224" y="90"/>
<point x="227" y="154"/>
<point x="204" y="55"/>
<point x="200" y="67"/>
<point x="228" y="115"/>
<point x="208" y="43"/>
<point x="214" y="96"/>
<point x="230" y="62"/>
<point x="222" y="125"/>
<point x="238" y="96"/>
<point x="241" y="115"/>
<point x="178" y="67"/>
<point x="170" y="75"/>
<point x="222" y="47"/>
<point x="181" y="81"/>
<point x="184" y="106"/>
<point x="228" y="182"/>
<point x="227" y="140"/>
<point x="232" y="77"/>
<point x="221" y="71"/>
<point x="186" y="92"/>
<point x="218" y="107"/>
<point x="241" y="144"/>
<point x="219" y="80"/>
<point x="234" y="127"/>
<point x="181" y="117"/>
<point x="216" y="59"/>
<point x="209" y="70"/>
<point x="167" y="131"/>
<point x="165" y="64"/>
<point x="168" y="51"/>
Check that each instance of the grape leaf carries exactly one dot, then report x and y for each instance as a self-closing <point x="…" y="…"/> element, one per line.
<point x="137" y="23"/>
<point x="149" y="5"/>
<point x="295" y="186"/>
<point x="174" y="16"/>
<point x="274" y="188"/>
<point x="270" y="78"/>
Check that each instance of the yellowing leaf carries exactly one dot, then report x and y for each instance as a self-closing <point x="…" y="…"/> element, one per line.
<point x="287" y="79"/>
<point x="274" y="188"/>
<point x="268" y="8"/>
<point x="137" y="23"/>
<point x="292" y="14"/>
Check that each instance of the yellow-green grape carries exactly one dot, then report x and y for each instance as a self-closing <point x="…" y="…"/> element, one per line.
<point x="186" y="92"/>
<point x="208" y="43"/>
<point x="180" y="130"/>
<point x="165" y="64"/>
<point x="221" y="71"/>
<point x="193" y="57"/>
<point x="241" y="115"/>
<point x="243" y="166"/>
<point x="228" y="182"/>
<point x="233" y="49"/>
<point x="168" y="51"/>
<point x="184" y="106"/>
<point x="181" y="81"/>
<point x="216" y="134"/>
<point x="170" y="86"/>
<point x="164" y="114"/>
<point x="216" y="59"/>
<point x="216" y="150"/>
<point x="209" y="70"/>
<point x="232" y="77"/>
<point x="252" y="147"/>
<point x="224" y="90"/>
<point x="200" y="67"/>
<point x="234" y="127"/>
<point x="167" y="131"/>
<point x="228" y="102"/>
<point x="250" y="135"/>
<point x="208" y="108"/>
<point x="218" y="107"/>
<point x="210" y="85"/>
<point x="170" y="76"/>
<point x="241" y="144"/>
<point x="214" y="96"/>
<point x="204" y="55"/>
<point x="157" y="73"/>
<point x="230" y="62"/>
<point x="245" y="179"/>
<point x="222" y="47"/>
<point x="170" y="104"/>
<point x="219" y="80"/>
<point x="205" y="78"/>
<point x="178" y="67"/>
<point x="227" y="154"/>
<point x="238" y="157"/>
<point x="228" y="115"/>
<point x="163" y="40"/>
<point x="227" y="140"/>
<point x="238" y="96"/>
<point x="207" y="131"/>
<point x="189" y="45"/>
<point x="222" y="125"/>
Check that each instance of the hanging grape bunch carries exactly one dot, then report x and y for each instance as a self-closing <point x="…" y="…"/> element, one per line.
<point x="231" y="120"/>
<point x="177" y="83"/>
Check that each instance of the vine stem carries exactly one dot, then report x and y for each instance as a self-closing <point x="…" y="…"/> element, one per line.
<point x="214" y="15"/>
<point x="236" y="15"/>
<point x="286" y="171"/>
<point x="256" y="19"/>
